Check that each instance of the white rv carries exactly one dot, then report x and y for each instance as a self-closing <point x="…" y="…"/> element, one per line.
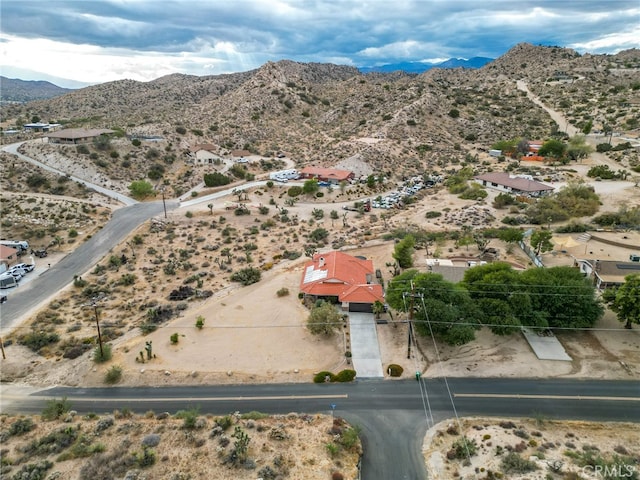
<point x="7" y="281"/>
<point x="21" y="246"/>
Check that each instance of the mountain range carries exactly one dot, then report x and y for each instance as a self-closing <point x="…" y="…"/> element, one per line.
<point x="22" y="91"/>
<point x="325" y="114"/>
<point x="13" y="90"/>
<point x="421" y="67"/>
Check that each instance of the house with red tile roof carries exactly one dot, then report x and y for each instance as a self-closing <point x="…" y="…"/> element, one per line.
<point x="331" y="175"/>
<point x="8" y="255"/>
<point x="337" y="276"/>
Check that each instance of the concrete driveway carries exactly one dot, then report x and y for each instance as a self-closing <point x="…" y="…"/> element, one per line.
<point x="364" y="345"/>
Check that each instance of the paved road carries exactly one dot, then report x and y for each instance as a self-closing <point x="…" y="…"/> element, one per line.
<point x="393" y="415"/>
<point x="44" y="287"/>
<point x="40" y="289"/>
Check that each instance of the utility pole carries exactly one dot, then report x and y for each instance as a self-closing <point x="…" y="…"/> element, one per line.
<point x="410" y="336"/>
<point x="95" y="310"/>
<point x="164" y="204"/>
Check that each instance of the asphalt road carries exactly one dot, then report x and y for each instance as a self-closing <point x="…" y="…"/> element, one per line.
<point x="392" y="415"/>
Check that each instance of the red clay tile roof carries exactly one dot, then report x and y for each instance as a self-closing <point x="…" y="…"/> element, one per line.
<point x="341" y="275"/>
<point x="328" y="173"/>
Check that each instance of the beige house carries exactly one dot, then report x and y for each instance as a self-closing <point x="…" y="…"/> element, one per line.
<point x="204" y="154"/>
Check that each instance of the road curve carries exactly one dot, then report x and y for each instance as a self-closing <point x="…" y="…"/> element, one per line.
<point x="42" y="289"/>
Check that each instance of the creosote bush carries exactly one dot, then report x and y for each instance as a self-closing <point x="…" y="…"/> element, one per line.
<point x="113" y="375"/>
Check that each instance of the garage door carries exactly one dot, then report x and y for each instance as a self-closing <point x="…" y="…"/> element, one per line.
<point x="360" y="307"/>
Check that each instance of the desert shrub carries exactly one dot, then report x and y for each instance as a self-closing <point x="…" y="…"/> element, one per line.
<point x="113" y="375"/>
<point x="55" y="408"/>
<point x="189" y="418"/>
<point x="146" y="457"/>
<point x="174" y="338"/>
<point x="216" y="179"/>
<point x="20" y="426"/>
<point x="433" y="214"/>
<point x="199" y="322"/>
<point x="321" y="377"/>
<point x="82" y="447"/>
<point x="514" y="463"/>
<point x="283" y="292"/>
<point x="349" y="438"/>
<point x="181" y="130"/>
<point x="395" y="370"/>
<point x="462" y="448"/>
<point x="254" y="415"/>
<point x="104" y="355"/>
<point x="294" y="191"/>
<point x="224" y="422"/>
<point x="247" y="276"/>
<point x="503" y="200"/>
<point x="573" y="227"/>
<point x="602" y="171"/>
<point x="82" y="149"/>
<point x="37" y="180"/>
<point x="34" y="471"/>
<point x="345" y="376"/>
<point x="35" y="341"/>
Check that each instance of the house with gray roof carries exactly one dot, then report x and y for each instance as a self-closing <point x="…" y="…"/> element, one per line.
<point x="515" y="185"/>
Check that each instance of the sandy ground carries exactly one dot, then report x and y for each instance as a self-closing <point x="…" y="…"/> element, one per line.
<point x="547" y="444"/>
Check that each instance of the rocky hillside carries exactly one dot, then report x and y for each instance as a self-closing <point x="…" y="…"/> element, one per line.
<point x="397" y="123"/>
<point x="22" y="91"/>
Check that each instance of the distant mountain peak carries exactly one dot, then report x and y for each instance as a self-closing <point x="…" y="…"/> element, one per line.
<point x="22" y="91"/>
<point x="420" y="67"/>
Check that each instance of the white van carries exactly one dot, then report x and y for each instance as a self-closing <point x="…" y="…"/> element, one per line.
<point x="7" y="281"/>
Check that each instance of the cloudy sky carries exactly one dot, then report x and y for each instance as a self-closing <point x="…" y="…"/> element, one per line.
<point x="95" y="41"/>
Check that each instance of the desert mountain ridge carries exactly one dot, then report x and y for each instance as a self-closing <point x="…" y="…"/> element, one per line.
<point x="325" y="113"/>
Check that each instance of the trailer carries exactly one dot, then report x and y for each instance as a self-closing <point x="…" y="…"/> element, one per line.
<point x="495" y="153"/>
<point x="20" y="245"/>
<point x="7" y="281"/>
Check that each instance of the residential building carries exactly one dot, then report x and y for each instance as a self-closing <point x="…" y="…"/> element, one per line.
<point x="349" y="280"/>
<point x="204" y="154"/>
<point x="330" y="175"/>
<point x="8" y="255"/>
<point x="516" y="185"/>
<point x="607" y="273"/>
<point x="78" y="135"/>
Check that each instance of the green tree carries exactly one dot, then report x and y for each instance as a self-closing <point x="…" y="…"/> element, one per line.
<point x="561" y="297"/>
<point x="586" y="129"/>
<point x="444" y="308"/>
<point x="324" y="319"/>
<point x="541" y="241"/>
<point x="510" y="235"/>
<point x="625" y="300"/>
<point x="310" y="187"/>
<point x="553" y="148"/>
<point x="578" y="148"/>
<point x="403" y="251"/>
<point x="140" y="189"/>
<point x="378" y="308"/>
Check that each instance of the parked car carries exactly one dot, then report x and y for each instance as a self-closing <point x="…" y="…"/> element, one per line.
<point x="27" y="267"/>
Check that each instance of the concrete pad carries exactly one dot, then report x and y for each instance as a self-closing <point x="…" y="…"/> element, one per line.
<point x="546" y="347"/>
<point x="365" y="349"/>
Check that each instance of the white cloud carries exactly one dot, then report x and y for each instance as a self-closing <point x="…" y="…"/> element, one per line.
<point x="611" y="43"/>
